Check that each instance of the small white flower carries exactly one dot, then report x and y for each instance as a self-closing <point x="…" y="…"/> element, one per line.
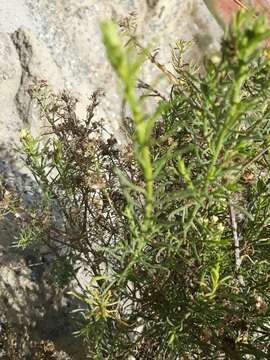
<point x="214" y="219"/>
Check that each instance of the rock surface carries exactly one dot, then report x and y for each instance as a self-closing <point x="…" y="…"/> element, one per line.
<point x="59" y="41"/>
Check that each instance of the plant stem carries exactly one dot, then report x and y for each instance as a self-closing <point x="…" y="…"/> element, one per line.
<point x="237" y="255"/>
<point x="229" y="121"/>
<point x="142" y="138"/>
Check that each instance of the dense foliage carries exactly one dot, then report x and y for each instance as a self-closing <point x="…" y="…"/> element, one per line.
<point x="171" y="229"/>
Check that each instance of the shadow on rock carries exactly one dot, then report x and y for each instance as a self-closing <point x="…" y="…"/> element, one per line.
<point x="31" y="307"/>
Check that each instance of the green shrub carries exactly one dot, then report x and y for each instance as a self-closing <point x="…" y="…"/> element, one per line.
<point x="172" y="228"/>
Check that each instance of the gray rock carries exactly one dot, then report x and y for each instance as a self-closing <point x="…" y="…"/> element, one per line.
<point x="10" y="76"/>
<point x="36" y="64"/>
